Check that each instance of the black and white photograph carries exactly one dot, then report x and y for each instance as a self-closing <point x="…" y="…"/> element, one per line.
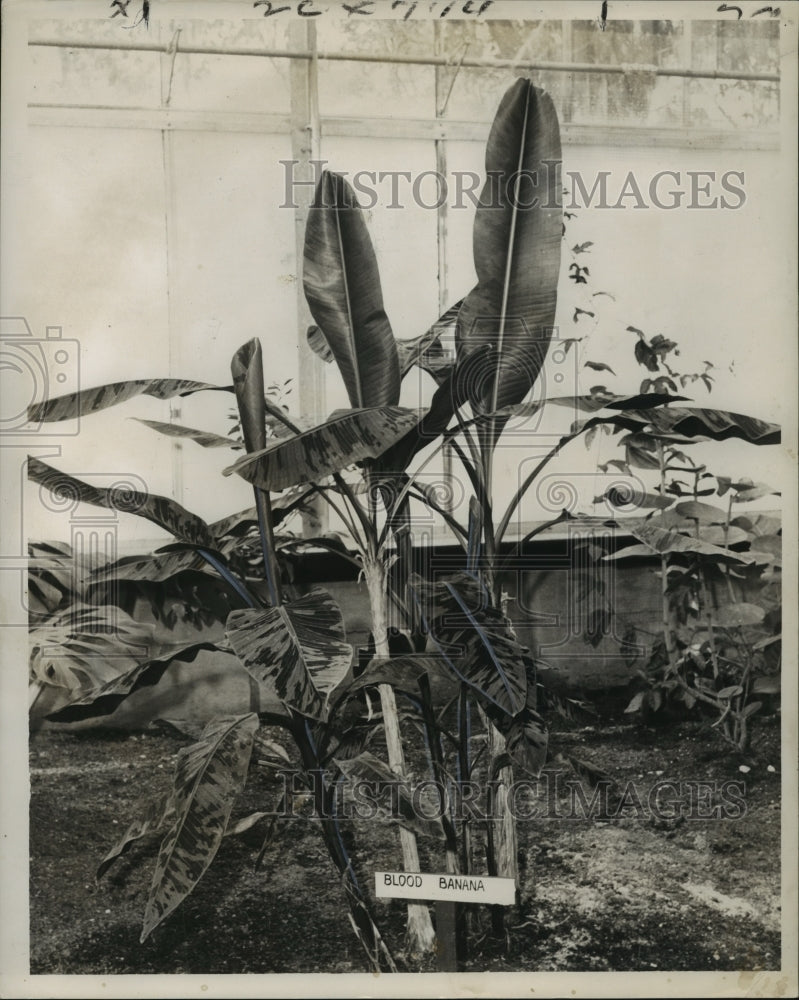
<point x="399" y="487"/>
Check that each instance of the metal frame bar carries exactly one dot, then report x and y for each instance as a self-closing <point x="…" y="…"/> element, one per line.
<point x="170" y="119"/>
<point x="543" y="67"/>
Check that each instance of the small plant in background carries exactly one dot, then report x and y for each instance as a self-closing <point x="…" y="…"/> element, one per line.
<point x="718" y="649"/>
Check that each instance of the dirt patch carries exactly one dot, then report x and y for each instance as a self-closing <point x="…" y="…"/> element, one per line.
<point x="621" y="889"/>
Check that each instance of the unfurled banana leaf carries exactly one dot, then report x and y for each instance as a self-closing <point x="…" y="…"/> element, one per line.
<point x="208" y="777"/>
<point x="106" y="698"/>
<point x="235" y="524"/>
<point x="350" y="437"/>
<point x="166" y="513"/>
<point x="297" y="651"/>
<point x="436" y="602"/>
<point x="86" y="401"/>
<point x="248" y="384"/>
<point x="720" y="425"/>
<point x="516" y="251"/>
<point x="342" y="286"/>
<point x="205" y="439"/>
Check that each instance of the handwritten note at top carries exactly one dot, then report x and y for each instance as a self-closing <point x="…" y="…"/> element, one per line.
<point x="365" y="8"/>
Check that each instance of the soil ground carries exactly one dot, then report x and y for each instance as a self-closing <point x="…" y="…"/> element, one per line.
<point x="629" y="892"/>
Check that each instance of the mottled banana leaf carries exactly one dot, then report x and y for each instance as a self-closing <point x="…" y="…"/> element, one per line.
<point x="690" y="422"/>
<point x="350" y="437"/>
<point x="447" y="399"/>
<point x="205" y="439"/>
<point x="101" y="397"/>
<point x="404" y="673"/>
<point x="85" y="646"/>
<point x="240" y="523"/>
<point x="342" y="286"/>
<point x="166" y="513"/>
<point x="517" y="247"/>
<point x="297" y="651"/>
<point x="526" y="738"/>
<point x="394" y="799"/>
<point x="593" y="402"/>
<point x="106" y="698"/>
<point x="158" y="815"/>
<point x="478" y="646"/>
<point x="152" y="569"/>
<point x="208" y="778"/>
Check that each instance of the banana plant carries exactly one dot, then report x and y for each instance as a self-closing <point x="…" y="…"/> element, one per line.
<point x="296" y="651"/>
<point x="502" y="331"/>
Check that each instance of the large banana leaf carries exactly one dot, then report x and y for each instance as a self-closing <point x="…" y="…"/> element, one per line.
<point x="208" y="777"/>
<point x="166" y="513"/>
<point x="298" y="651"/>
<point x="393" y="799"/>
<point x="155" y="568"/>
<point x="425" y="351"/>
<point x="669" y="422"/>
<point x="100" y="397"/>
<point x="526" y="738"/>
<point x="158" y="815"/>
<point x="205" y="439"/>
<point x="516" y="251"/>
<point x="720" y="425"/>
<point x="343" y="440"/>
<point x="342" y="286"/>
<point x="57" y="576"/>
<point x="85" y="646"/>
<point x="240" y="523"/>
<point x="479" y="647"/>
<point x="447" y="399"/>
<point x="105" y="698"/>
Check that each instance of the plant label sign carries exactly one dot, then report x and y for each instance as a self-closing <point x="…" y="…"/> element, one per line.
<point x="457" y="888"/>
